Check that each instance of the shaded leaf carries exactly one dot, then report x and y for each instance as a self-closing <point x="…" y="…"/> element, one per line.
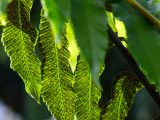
<point x="143" y="41"/>
<point x="90" y="27"/>
<point x="19" y="39"/>
<point x="88" y="95"/>
<point x="3" y="5"/>
<point x="57" y="77"/>
<point x="154" y="6"/>
<point x="125" y="89"/>
<point x="57" y="11"/>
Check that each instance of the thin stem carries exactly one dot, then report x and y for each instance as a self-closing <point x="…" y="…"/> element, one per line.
<point x="145" y="12"/>
<point x="151" y="90"/>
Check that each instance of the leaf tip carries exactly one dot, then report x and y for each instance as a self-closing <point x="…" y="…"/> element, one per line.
<point x="95" y="75"/>
<point x="34" y="92"/>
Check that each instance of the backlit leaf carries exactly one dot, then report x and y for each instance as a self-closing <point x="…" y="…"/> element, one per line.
<point x="57" y="77"/>
<point x="125" y="89"/>
<point x="88" y="95"/>
<point x="19" y="39"/>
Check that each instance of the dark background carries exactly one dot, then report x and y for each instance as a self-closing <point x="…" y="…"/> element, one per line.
<point x="12" y="91"/>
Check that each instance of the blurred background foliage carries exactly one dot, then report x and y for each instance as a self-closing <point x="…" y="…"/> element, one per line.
<point x="13" y="95"/>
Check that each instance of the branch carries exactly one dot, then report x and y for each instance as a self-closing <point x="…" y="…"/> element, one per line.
<point x="145" y="12"/>
<point x="151" y="90"/>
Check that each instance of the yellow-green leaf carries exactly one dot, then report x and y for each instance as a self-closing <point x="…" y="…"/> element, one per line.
<point x="57" y="77"/>
<point x="88" y="95"/>
<point x="19" y="39"/>
<point x="124" y="91"/>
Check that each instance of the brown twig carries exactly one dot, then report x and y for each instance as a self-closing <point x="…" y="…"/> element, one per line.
<point x="151" y="90"/>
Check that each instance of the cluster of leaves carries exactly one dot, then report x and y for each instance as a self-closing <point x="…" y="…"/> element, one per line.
<point x="73" y="91"/>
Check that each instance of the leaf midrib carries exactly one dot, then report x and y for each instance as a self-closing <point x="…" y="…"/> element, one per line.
<point x="58" y="74"/>
<point x="119" y="105"/>
<point x="90" y="85"/>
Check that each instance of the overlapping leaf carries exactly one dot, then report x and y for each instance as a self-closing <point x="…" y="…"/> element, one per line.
<point x="143" y="41"/>
<point x="73" y="48"/>
<point x="57" y="12"/>
<point x="88" y="94"/>
<point x="90" y="26"/>
<point x="125" y="89"/>
<point x="57" y="83"/>
<point x="19" y="39"/>
<point x="3" y="7"/>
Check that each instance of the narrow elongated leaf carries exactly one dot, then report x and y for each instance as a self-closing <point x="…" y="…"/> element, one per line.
<point x="57" y="75"/>
<point x="111" y="21"/>
<point x="90" y="27"/>
<point x="73" y="48"/>
<point x="87" y="92"/>
<point x="57" y="12"/>
<point x="143" y="41"/>
<point x="19" y="39"/>
<point x="125" y="89"/>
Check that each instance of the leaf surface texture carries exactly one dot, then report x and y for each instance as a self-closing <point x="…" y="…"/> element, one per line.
<point x="124" y="92"/>
<point x="19" y="39"/>
<point x="57" y="77"/>
<point x="88" y="95"/>
<point x="57" y="11"/>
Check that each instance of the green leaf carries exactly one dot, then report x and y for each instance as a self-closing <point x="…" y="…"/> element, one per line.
<point x="57" y="84"/>
<point x="90" y="27"/>
<point x="154" y="6"/>
<point x="125" y="89"/>
<point x="111" y="21"/>
<point x="88" y="95"/>
<point x="19" y="39"/>
<point x="57" y="11"/>
<point x="3" y="7"/>
<point x="73" y="48"/>
<point x="3" y="19"/>
<point x="143" y="41"/>
<point x="116" y="25"/>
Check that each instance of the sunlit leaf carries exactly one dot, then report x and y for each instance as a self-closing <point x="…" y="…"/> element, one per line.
<point x="19" y="39"/>
<point x="111" y="21"/>
<point x="73" y="48"/>
<point x="88" y="95"/>
<point x="57" y="77"/>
